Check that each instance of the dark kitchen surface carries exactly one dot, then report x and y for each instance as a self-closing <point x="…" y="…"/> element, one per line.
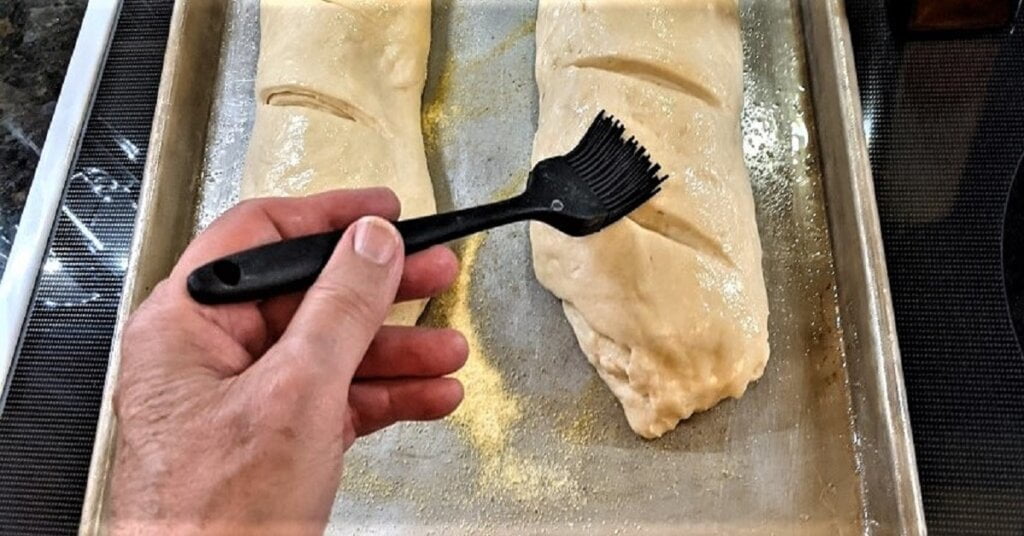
<point x="48" y="419"/>
<point x="944" y="117"/>
<point x="36" y="40"/>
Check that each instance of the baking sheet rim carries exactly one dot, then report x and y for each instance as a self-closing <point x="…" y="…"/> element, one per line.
<point x="866" y="214"/>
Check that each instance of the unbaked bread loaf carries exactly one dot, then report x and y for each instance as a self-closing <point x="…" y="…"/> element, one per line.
<point x="338" y="95"/>
<point x="669" y="305"/>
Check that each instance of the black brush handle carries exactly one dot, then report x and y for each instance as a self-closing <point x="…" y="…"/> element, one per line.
<point x="293" y="265"/>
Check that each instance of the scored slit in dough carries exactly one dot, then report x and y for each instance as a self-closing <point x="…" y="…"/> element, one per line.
<point x="338" y="91"/>
<point x="669" y="305"/>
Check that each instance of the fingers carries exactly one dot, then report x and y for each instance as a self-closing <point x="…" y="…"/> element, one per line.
<point x="380" y="403"/>
<point x="398" y="352"/>
<point x="341" y="313"/>
<point x="426" y="274"/>
<point x="261" y="221"/>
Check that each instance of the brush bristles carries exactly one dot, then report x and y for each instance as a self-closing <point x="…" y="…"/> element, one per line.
<point x="618" y="171"/>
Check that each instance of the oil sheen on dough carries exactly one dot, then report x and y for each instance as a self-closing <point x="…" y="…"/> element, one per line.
<point x="338" y="92"/>
<point x="669" y="305"/>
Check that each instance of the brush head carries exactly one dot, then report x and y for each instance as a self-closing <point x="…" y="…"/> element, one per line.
<point x="607" y="178"/>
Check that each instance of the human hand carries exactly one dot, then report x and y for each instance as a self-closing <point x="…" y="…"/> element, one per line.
<point x="235" y="419"/>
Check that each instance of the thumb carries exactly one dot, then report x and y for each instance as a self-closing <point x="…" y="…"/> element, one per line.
<point x="343" y="310"/>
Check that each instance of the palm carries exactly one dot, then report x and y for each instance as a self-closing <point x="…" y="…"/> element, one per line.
<point x="402" y="363"/>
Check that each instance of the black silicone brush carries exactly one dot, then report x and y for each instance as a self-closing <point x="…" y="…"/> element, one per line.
<point x="604" y="178"/>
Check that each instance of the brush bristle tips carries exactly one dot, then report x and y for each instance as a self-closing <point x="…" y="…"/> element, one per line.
<point x="617" y="170"/>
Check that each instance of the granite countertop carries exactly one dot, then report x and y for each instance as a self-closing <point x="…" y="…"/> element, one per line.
<point x="36" y="40"/>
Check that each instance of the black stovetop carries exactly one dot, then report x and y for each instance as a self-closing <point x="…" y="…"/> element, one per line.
<point x="945" y="123"/>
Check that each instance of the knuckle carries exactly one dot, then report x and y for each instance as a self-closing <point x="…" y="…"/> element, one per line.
<point x="387" y="402"/>
<point x="242" y="427"/>
<point x="289" y="386"/>
<point x="260" y="417"/>
<point x="383" y="402"/>
<point x="247" y="206"/>
<point x="290" y="391"/>
<point x="289" y="401"/>
<point x="394" y="199"/>
<point x="245" y="209"/>
<point x="252" y="209"/>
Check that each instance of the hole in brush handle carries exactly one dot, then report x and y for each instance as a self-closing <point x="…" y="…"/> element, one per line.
<point x="263" y="272"/>
<point x="227" y="272"/>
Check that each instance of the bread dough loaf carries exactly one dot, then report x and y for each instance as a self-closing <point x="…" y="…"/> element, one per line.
<point x="669" y="305"/>
<point x="338" y="93"/>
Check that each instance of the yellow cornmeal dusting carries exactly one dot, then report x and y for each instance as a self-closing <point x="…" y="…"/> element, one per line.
<point x="439" y="110"/>
<point x="443" y="108"/>
<point x="525" y="29"/>
<point x="581" y="427"/>
<point x="515" y="186"/>
<point x="529" y="481"/>
<point x="360" y="481"/>
<point x="489" y="411"/>
<point x="581" y="430"/>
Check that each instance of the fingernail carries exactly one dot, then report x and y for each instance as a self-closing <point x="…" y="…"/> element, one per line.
<point x="375" y="240"/>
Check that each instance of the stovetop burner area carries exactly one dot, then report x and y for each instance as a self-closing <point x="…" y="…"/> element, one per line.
<point x="945" y="123"/>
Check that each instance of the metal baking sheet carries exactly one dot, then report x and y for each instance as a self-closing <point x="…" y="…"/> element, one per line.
<point x="820" y="445"/>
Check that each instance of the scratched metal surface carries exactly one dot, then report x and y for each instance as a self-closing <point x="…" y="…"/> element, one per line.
<point x="540" y="444"/>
